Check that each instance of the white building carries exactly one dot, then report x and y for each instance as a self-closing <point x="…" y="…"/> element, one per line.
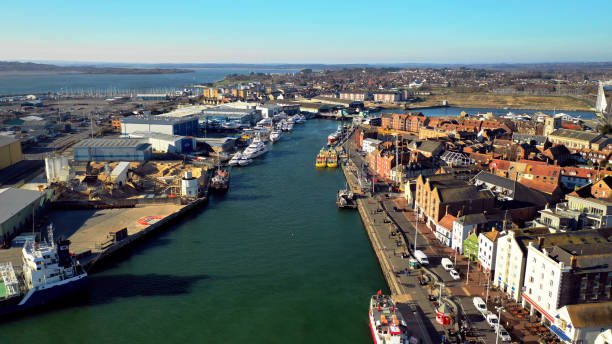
<point x="119" y="173"/>
<point x="187" y="126"/>
<point x="444" y="229"/>
<point x="370" y="145"/>
<point x="174" y="144"/>
<point x="386" y="97"/>
<point x="542" y="282"/>
<point x="462" y="227"/>
<point x="487" y="249"/>
<point x="584" y="323"/>
<point x="511" y="259"/>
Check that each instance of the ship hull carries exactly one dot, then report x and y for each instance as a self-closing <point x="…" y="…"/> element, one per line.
<point x="46" y="295"/>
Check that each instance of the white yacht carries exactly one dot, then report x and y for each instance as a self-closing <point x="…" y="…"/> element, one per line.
<point x="275" y="135"/>
<point x="256" y="148"/>
<point x="266" y="122"/>
<point x="300" y="119"/>
<point x="231" y="125"/>
<point x="244" y="161"/>
<point x="235" y="160"/>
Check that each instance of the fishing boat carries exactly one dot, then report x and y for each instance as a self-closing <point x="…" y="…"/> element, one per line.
<point x="50" y="272"/>
<point x="334" y="137"/>
<point x="321" y="160"/>
<point x="332" y="159"/>
<point x="386" y="322"/>
<point x="220" y="182"/>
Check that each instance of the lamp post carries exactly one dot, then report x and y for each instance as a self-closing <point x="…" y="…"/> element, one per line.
<point x="499" y="310"/>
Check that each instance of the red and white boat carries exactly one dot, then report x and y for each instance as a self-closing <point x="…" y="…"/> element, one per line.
<point x="386" y="322"/>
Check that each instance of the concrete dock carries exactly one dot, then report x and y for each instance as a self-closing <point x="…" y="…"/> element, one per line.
<point x="389" y="249"/>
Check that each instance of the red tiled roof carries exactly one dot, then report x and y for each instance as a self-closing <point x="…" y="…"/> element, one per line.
<point x="544" y="170"/>
<point x="540" y="186"/>
<point x="500" y="164"/>
<point x="578" y="172"/>
<point x="447" y="221"/>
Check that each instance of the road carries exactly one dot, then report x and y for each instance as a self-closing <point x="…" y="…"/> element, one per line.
<point x="409" y="283"/>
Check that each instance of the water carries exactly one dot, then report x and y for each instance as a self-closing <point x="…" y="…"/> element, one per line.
<point x="71" y="82"/>
<point x="273" y="261"/>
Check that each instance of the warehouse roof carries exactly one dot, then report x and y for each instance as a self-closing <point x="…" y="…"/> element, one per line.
<point x="14" y="200"/>
<point x="113" y="143"/>
<point x="576" y="134"/>
<point x="140" y="119"/>
<point x="5" y="140"/>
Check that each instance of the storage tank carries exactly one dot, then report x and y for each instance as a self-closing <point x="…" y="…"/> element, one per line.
<point x="189" y="186"/>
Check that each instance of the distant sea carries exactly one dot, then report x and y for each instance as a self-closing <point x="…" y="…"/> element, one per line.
<point x="26" y="83"/>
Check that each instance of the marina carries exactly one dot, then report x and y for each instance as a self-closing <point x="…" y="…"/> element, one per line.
<point x="278" y="264"/>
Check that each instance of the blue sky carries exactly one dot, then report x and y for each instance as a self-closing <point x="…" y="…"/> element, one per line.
<point x="307" y="31"/>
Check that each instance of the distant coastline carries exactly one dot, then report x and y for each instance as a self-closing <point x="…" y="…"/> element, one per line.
<point x="29" y="68"/>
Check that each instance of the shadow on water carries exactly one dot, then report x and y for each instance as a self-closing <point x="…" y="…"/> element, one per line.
<point x="106" y="289"/>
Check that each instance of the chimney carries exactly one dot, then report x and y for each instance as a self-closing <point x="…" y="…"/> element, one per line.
<point x="540" y="241"/>
<point x="447" y="209"/>
<point x="573" y="261"/>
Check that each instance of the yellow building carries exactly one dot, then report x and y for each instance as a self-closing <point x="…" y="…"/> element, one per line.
<point x="10" y="152"/>
<point x="577" y="139"/>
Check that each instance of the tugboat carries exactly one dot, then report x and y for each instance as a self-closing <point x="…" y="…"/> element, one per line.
<point x="50" y="272"/>
<point x="386" y="322"/>
<point x="332" y="159"/>
<point x="220" y="182"/>
<point x="321" y="158"/>
<point x="345" y="199"/>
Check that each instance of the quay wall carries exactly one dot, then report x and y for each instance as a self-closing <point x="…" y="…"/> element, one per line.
<point x="95" y="258"/>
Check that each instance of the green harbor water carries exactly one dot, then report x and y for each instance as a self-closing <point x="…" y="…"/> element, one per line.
<point x="273" y="261"/>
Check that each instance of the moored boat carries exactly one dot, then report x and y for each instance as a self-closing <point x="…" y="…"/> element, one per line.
<point x="386" y="322"/>
<point x="321" y="160"/>
<point x="50" y="272"/>
<point x="332" y="159"/>
<point x="220" y="182"/>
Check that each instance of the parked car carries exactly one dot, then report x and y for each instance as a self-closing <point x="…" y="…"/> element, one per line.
<point x="480" y="305"/>
<point x="454" y="274"/>
<point x="492" y="320"/>
<point x="503" y="334"/>
<point x="447" y="264"/>
<point x="421" y="257"/>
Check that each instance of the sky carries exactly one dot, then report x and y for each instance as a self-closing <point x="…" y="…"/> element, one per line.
<point x="313" y="31"/>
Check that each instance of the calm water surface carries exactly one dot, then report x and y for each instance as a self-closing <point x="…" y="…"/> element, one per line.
<point x="274" y="261"/>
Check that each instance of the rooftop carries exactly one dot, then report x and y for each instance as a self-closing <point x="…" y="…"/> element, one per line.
<point x="5" y="140"/>
<point x="137" y="119"/>
<point x="576" y="134"/>
<point x="590" y="314"/>
<point x="115" y="143"/>
<point x="14" y="200"/>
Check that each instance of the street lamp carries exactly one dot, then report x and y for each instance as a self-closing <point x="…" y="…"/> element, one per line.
<point x="499" y="310"/>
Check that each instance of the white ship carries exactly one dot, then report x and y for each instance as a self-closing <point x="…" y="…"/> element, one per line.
<point x="50" y="272"/>
<point x="244" y="161"/>
<point x="275" y="135"/>
<point x="255" y="149"/>
<point x="386" y="322"/>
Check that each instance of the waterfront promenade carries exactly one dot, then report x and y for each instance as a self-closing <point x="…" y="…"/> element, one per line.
<point x="381" y="221"/>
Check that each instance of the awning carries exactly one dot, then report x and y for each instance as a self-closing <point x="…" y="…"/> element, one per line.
<point x="538" y="308"/>
<point x="559" y="333"/>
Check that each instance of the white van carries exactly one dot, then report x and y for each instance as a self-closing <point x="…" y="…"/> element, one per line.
<point x="421" y="257"/>
<point x="480" y="305"/>
<point x="447" y="264"/>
